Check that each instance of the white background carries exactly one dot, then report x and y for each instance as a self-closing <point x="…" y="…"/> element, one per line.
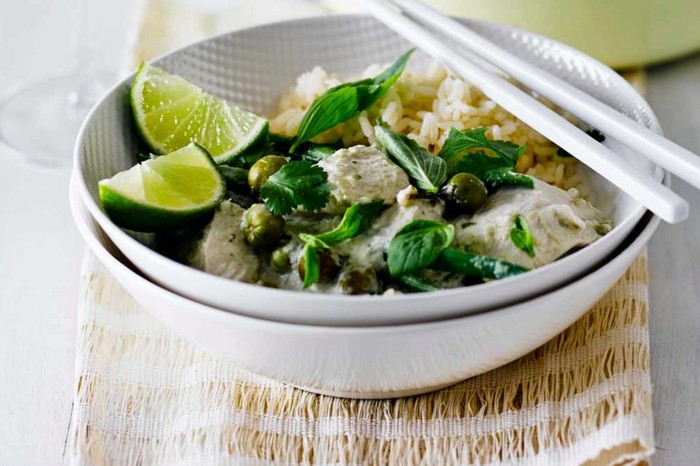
<point x="40" y="252"/>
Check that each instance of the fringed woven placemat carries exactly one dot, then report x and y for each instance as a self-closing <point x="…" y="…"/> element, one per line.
<point x="144" y="396"/>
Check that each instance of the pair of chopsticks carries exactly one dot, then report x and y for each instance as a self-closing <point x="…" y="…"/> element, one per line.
<point x="427" y="28"/>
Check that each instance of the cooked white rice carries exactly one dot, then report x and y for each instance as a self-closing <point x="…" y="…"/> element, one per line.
<point x="425" y="106"/>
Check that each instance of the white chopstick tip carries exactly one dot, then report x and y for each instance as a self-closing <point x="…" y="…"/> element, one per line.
<point x="679" y="213"/>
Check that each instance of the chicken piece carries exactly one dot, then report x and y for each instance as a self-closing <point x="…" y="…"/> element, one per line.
<point x="222" y="250"/>
<point x="559" y="221"/>
<point x="361" y="174"/>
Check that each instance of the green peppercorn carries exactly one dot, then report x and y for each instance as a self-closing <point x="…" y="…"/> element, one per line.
<point x="261" y="227"/>
<point x="329" y="266"/>
<point x="280" y="261"/>
<point x="356" y="281"/>
<point x="263" y="169"/>
<point x="465" y="192"/>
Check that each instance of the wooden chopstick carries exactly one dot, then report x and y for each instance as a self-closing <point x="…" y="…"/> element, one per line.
<point x="637" y="184"/>
<point x="665" y="153"/>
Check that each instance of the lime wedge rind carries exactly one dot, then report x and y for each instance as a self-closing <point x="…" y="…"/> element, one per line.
<point x="170" y="113"/>
<point x="172" y="191"/>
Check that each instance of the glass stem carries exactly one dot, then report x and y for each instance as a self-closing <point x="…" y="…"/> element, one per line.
<point x="86" y="89"/>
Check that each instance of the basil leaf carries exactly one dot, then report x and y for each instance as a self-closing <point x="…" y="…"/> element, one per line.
<point x="298" y="183"/>
<point x="312" y="266"/>
<point x="356" y="220"/>
<point x="426" y="171"/>
<point x="459" y="142"/>
<point x="417" y="245"/>
<point x="455" y="260"/>
<point x="493" y="171"/>
<point x="521" y="236"/>
<point x="343" y="102"/>
<point x="417" y="283"/>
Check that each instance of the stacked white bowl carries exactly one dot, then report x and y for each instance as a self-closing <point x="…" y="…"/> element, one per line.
<point x="367" y="346"/>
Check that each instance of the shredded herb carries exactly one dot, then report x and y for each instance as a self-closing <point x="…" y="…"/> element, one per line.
<point x="521" y="236"/>
<point x="346" y="101"/>
<point x="426" y="171"/>
<point x="298" y="183"/>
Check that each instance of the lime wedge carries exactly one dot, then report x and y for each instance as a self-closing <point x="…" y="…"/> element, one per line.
<point x="171" y="113"/>
<point x="167" y="192"/>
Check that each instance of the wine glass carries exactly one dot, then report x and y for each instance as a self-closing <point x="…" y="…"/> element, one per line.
<point x="41" y="120"/>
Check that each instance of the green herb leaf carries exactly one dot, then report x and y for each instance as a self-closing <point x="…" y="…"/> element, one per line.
<point x="343" y="102"/>
<point x="417" y="245"/>
<point x="426" y="171"/>
<point x="317" y="152"/>
<point x="594" y="133"/>
<point x="299" y="183"/>
<point x="356" y="220"/>
<point x="495" y="168"/>
<point x="235" y="176"/>
<point x="416" y="283"/>
<point x="312" y="266"/>
<point x="455" y="260"/>
<point x="493" y="171"/>
<point x="459" y="142"/>
<point x="521" y="236"/>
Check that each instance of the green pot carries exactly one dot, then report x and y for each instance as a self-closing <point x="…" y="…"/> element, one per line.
<point x="621" y="33"/>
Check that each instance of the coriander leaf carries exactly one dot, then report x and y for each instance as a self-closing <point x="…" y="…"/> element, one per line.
<point x="317" y="152"/>
<point x="356" y="220"/>
<point x="495" y="168"/>
<point x="521" y="236"/>
<point x="459" y="142"/>
<point x="417" y="245"/>
<point x="343" y="102"/>
<point x="493" y="171"/>
<point x="455" y="260"/>
<point x="417" y="283"/>
<point x="298" y="183"/>
<point x="312" y="266"/>
<point x="426" y="171"/>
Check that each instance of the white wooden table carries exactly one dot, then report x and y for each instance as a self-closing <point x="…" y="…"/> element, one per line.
<point x="40" y="253"/>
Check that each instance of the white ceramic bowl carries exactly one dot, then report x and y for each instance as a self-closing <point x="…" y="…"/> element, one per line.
<point x="368" y="362"/>
<point x="253" y="67"/>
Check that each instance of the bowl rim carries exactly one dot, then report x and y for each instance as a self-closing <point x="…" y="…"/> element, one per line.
<point x="323" y="299"/>
<point x="643" y="231"/>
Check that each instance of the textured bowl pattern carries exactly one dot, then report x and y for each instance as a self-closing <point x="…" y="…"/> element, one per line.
<point x="253" y="68"/>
